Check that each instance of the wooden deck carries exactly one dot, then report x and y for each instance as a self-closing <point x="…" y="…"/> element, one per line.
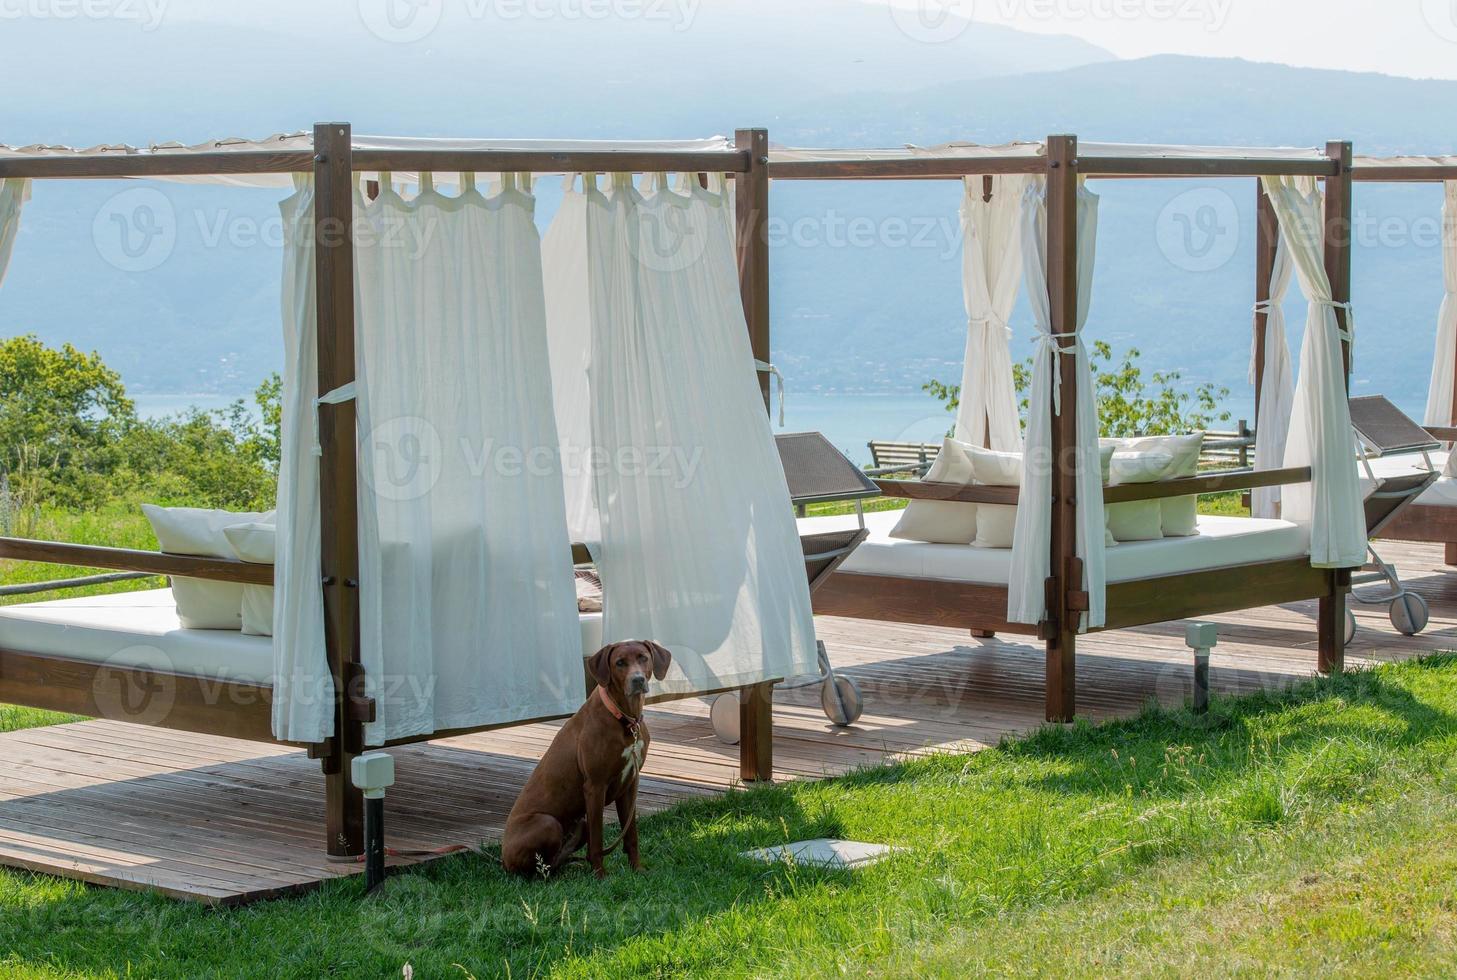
<point x="225" y="821"/>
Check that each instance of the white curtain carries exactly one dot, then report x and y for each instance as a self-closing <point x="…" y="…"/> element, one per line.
<point x="1320" y="434"/>
<point x="1031" y="564"/>
<point x="1439" y="392"/>
<point x="468" y="608"/>
<point x="303" y="697"/>
<point x="569" y="339"/>
<point x="991" y="269"/>
<point x="698" y="546"/>
<point x="1276" y="385"/>
<point x="14" y="192"/>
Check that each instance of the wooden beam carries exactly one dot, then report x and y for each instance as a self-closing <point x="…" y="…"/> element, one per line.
<point x="555" y="161"/>
<point x="756" y="733"/>
<point x="1267" y="241"/>
<point x="338" y="471"/>
<point x="1062" y="286"/>
<point x="1113" y="166"/>
<point x="1339" y="230"/>
<point x="751" y="197"/>
<point x="908" y="168"/>
<point x="131" y="560"/>
<point x="102" y="166"/>
<point x="1208" y="483"/>
<point x="138" y="695"/>
<point x="1433" y="173"/>
<point x="957" y="492"/>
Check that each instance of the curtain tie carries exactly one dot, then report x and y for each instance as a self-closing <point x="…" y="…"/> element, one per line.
<point x="1047" y="342"/>
<point x="764" y="367"/>
<point x="343" y="393"/>
<point x="1346" y="331"/>
<point x="991" y="319"/>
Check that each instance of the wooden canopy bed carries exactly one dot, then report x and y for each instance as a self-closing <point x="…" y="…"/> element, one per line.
<point x="70" y="662"/>
<point x="1240" y="564"/>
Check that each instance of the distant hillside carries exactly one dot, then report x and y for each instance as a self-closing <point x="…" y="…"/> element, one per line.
<point x="879" y="314"/>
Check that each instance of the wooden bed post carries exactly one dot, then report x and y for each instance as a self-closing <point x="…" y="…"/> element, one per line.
<point x="751" y="213"/>
<point x="1062" y="287"/>
<point x="338" y="476"/>
<point x="1267" y="240"/>
<point x="1331" y="627"/>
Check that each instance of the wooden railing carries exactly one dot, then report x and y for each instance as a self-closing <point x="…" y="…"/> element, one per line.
<point x="132" y="560"/>
<point x="1120" y="493"/>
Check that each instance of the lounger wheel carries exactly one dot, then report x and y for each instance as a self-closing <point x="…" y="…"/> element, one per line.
<point x="1350" y="626"/>
<point x="1409" y="613"/>
<point x="840" y="697"/>
<point x="723" y="714"/>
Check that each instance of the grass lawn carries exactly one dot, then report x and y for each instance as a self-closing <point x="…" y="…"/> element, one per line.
<point x="1300" y="832"/>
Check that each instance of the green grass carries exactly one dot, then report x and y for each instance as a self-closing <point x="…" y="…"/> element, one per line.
<point x="1302" y="831"/>
<point x="118" y="524"/>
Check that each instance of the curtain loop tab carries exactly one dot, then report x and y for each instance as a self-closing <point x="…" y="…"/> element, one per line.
<point x="343" y="393"/>
<point x="427" y="181"/>
<point x="467" y="181"/>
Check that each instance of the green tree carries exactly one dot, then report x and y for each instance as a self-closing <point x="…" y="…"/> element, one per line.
<point x="1127" y="405"/>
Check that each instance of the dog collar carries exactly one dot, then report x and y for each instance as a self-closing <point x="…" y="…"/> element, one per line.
<point x="631" y="724"/>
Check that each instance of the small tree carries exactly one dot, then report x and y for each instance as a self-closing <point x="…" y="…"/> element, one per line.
<point x="1126" y="406"/>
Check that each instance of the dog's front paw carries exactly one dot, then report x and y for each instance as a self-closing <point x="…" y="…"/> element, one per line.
<point x="599" y="873"/>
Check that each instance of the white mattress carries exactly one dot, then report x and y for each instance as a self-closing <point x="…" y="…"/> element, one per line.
<point x="1221" y="541"/>
<point x="140" y="629"/>
<point x="1442" y="493"/>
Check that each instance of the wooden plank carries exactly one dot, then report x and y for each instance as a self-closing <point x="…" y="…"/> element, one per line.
<point x="141" y="696"/>
<point x="751" y="206"/>
<point x="554" y="161"/>
<point x="1207" y="483"/>
<point x="1431" y="173"/>
<point x="756" y="733"/>
<point x="1339" y="231"/>
<point x="1062" y="289"/>
<point x="930" y="602"/>
<point x="338" y="470"/>
<point x="917" y="168"/>
<point x="114" y="165"/>
<point x="1123" y="166"/>
<point x="1227" y="589"/>
<point x="132" y="560"/>
<point x="932" y="490"/>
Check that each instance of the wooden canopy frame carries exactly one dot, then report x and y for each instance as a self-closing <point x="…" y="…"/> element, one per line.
<point x="1431" y="523"/>
<point x="981" y="608"/>
<point x="245" y="710"/>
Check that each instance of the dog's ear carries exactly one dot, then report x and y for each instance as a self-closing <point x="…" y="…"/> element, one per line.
<point x="661" y="659"/>
<point x="600" y="665"/>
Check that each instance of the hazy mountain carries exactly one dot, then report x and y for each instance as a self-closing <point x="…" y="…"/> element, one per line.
<point x="866" y="275"/>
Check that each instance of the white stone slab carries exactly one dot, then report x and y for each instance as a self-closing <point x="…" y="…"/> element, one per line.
<point x="824" y="852"/>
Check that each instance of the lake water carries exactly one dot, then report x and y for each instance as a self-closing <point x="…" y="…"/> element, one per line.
<point x="847" y="420"/>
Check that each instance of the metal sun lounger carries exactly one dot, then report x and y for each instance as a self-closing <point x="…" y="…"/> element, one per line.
<point x="1383" y="430"/>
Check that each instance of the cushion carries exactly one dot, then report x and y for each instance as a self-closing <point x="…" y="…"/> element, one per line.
<point x="255" y="542"/>
<point x="1136" y="520"/>
<point x="942" y="521"/>
<point x="995" y="523"/>
<point x="202" y="604"/>
<point x="1180" y="514"/>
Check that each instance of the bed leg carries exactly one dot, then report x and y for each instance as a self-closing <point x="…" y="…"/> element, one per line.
<point x="1449" y="552"/>
<point x="756" y="733"/>
<point x="1062" y="677"/>
<point x="983" y="634"/>
<point x="343" y="807"/>
<point x="1331" y="631"/>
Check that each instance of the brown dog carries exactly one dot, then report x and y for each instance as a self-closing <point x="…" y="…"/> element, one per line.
<point x="594" y="760"/>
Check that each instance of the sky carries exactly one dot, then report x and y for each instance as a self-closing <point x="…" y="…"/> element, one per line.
<point x="1416" y="38"/>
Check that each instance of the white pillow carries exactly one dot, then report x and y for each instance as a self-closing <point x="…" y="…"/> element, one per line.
<point x="255" y="542"/>
<point x="995" y="523"/>
<point x="1136" y="520"/>
<point x="1180" y="514"/>
<point x="201" y="604"/>
<point x="942" y="521"/>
